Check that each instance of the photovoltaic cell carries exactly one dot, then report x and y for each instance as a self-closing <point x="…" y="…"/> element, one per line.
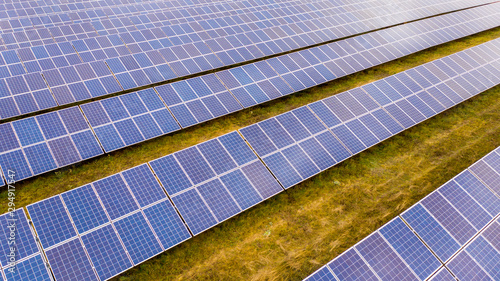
<point x="106" y="252"/>
<point x="167" y="224"/>
<point x="33" y="268"/>
<point x="465" y="268"/>
<point x="350" y="266"/>
<point x="69" y="261"/>
<point x="138" y="237"/>
<point x="129" y="119"/>
<point x="24" y="240"/>
<point x="384" y="261"/>
<point x="432" y="233"/>
<point x="84" y="208"/>
<point x="410" y="248"/>
<point x="51" y="221"/>
<point x="226" y="178"/>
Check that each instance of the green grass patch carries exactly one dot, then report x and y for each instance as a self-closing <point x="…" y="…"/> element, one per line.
<point x="292" y="234"/>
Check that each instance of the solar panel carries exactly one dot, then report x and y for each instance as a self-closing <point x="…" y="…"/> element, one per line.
<point x="40" y="158"/>
<point x="106" y="252"/>
<point x="16" y="229"/>
<point x="69" y="261"/>
<point x="383" y="260"/>
<point x="214" y="180"/>
<point x="33" y="268"/>
<point x="410" y="248"/>
<point x="138" y="237"/>
<point x="359" y="271"/>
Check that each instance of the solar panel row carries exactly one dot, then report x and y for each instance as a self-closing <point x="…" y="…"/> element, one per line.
<point x="101" y="229"/>
<point x="53" y="74"/>
<point x="457" y="225"/>
<point x="362" y="117"/>
<point x="157" y="12"/>
<point x="128" y="119"/>
<point x="35" y="145"/>
<point x="40" y="12"/>
<point x="215" y="180"/>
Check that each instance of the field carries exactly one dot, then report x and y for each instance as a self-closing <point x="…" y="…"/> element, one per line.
<point x="292" y="234"/>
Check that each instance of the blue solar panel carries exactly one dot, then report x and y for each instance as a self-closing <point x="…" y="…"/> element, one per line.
<point x="258" y="140"/>
<point x="23" y="241"/>
<point x="237" y="147"/>
<point x="194" y="211"/>
<point x="455" y="223"/>
<point x="342" y="112"/>
<point x="144" y="185"/>
<point x="138" y="237"/>
<point x="411" y="111"/>
<point x="217" y="157"/>
<point x="363" y="134"/>
<point x="51" y="221"/>
<point x="493" y="159"/>
<point x="333" y="146"/>
<point x="59" y="139"/>
<point x="485" y="255"/>
<point x="300" y="161"/>
<point x="261" y="179"/>
<point x="318" y="154"/>
<point x="69" y="261"/>
<point x="167" y="224"/>
<point x="115" y="196"/>
<point x="410" y="248"/>
<point x="348" y="139"/>
<point x="486" y="174"/>
<point x="376" y="127"/>
<point x="133" y="118"/>
<point x="431" y="232"/>
<point x="491" y="234"/>
<point x="241" y="189"/>
<point x="106" y="252"/>
<point x="465" y="268"/>
<point x="194" y="164"/>
<point x="282" y="169"/>
<point x="465" y="204"/>
<point x="218" y="199"/>
<point x="84" y="208"/>
<point x="350" y="267"/>
<point x="31" y="269"/>
<point x="382" y="258"/>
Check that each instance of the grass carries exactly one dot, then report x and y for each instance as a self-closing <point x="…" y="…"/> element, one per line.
<point x="292" y="234"/>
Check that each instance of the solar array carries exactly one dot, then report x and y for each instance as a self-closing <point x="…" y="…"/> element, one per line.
<point x="131" y="216"/>
<point x="214" y="180"/>
<point x="104" y="228"/>
<point x="452" y="232"/>
<point x="296" y="145"/>
<point x="35" y="145"/>
<point x="29" y="261"/>
<point x="131" y="118"/>
<point x="46" y="64"/>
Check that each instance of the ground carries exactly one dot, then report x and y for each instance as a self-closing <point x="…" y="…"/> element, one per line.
<point x="294" y="233"/>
